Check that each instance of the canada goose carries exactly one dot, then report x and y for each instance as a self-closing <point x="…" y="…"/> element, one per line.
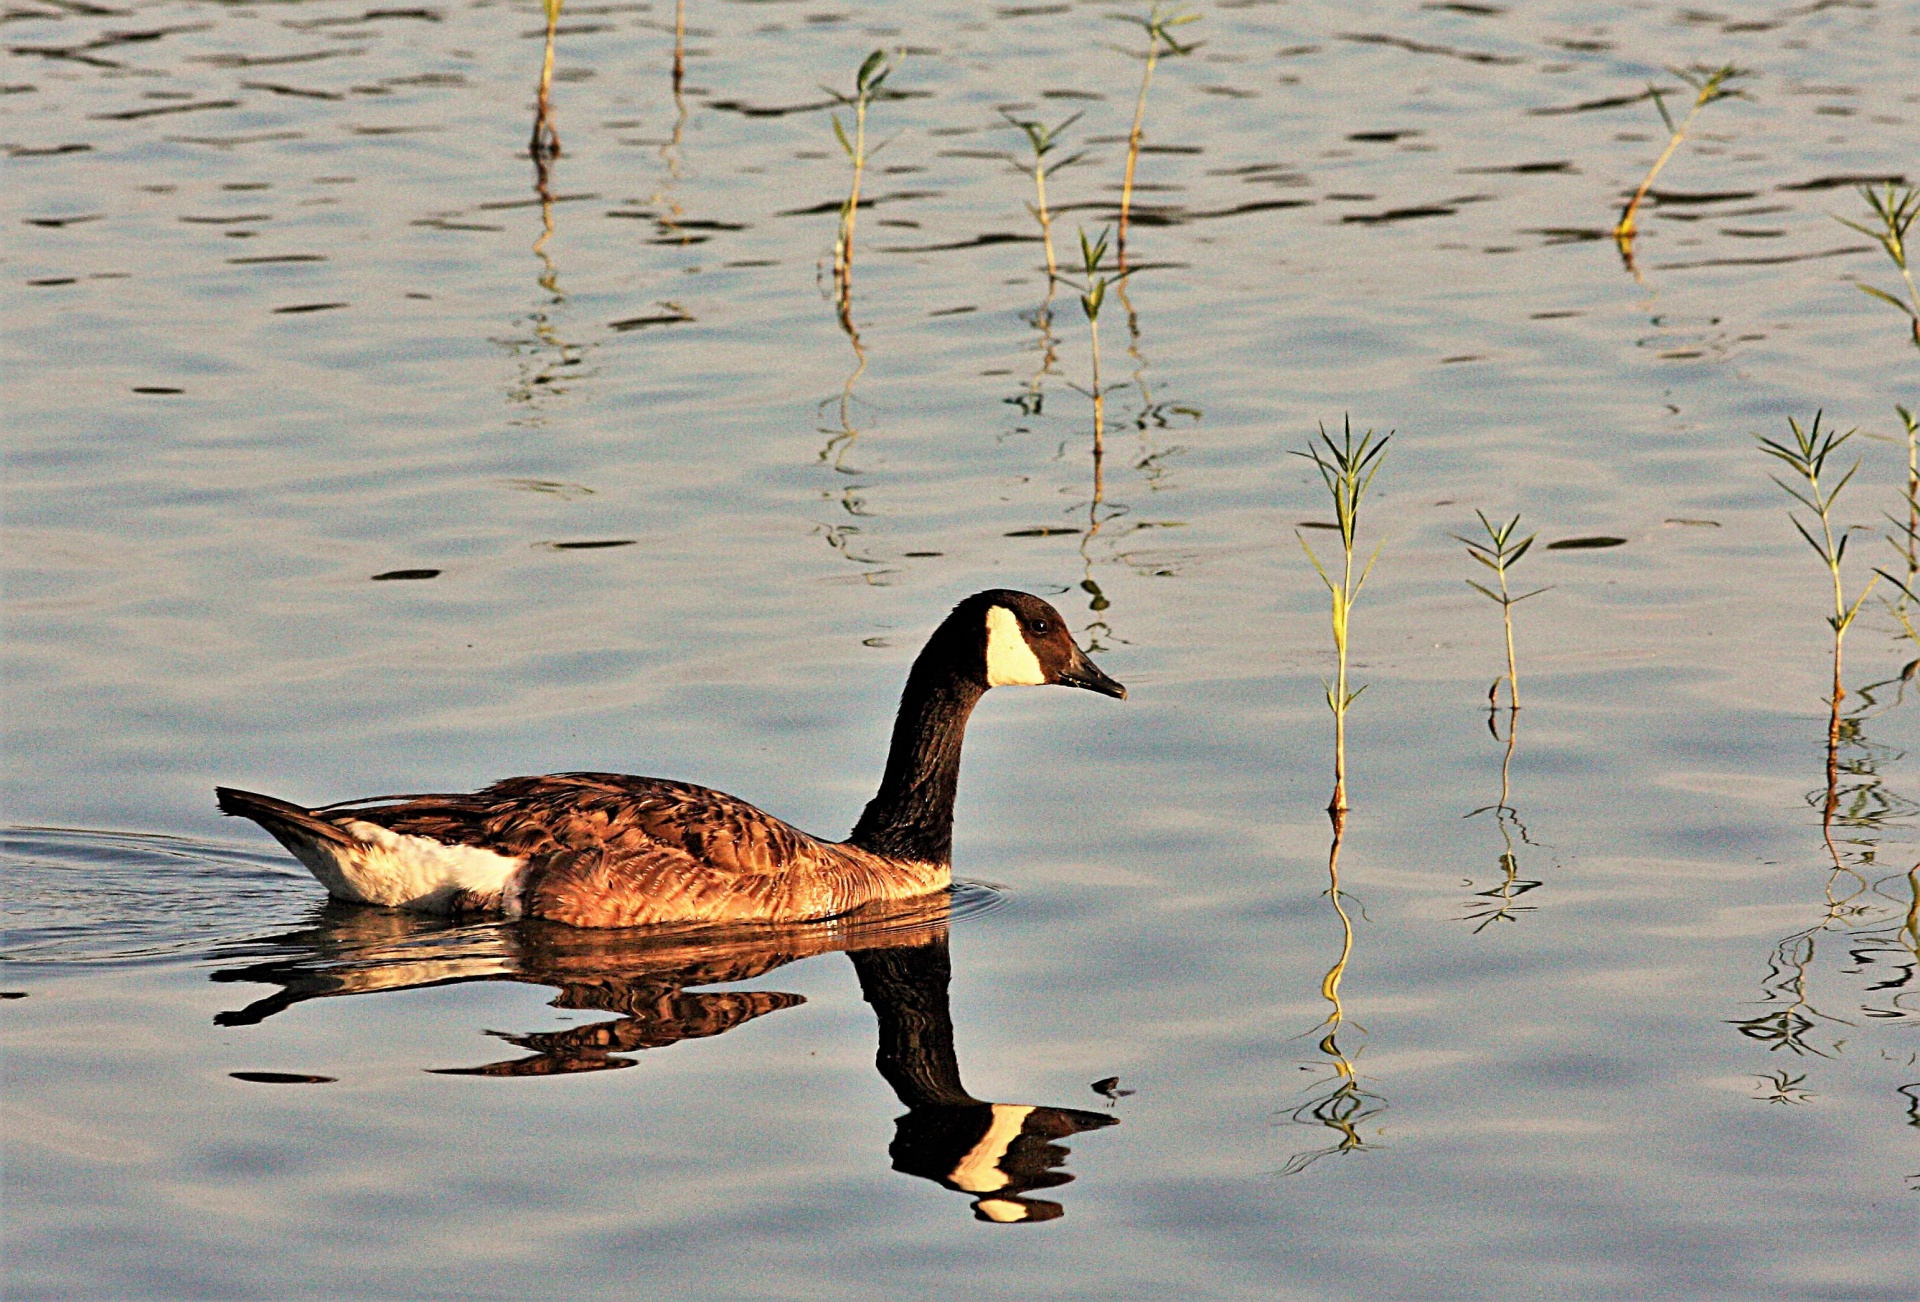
<point x="614" y="850"/>
<point x="995" y="1154"/>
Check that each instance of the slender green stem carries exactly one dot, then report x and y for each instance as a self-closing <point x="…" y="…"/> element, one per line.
<point x="546" y="140"/>
<point x="1500" y="553"/>
<point x="1133" y="146"/>
<point x="867" y="82"/>
<point x="1346" y="469"/>
<point x="1158" y="28"/>
<point x="1045" y="218"/>
<point x="1709" y="84"/>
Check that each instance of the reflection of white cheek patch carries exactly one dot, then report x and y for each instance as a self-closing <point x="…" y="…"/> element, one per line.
<point x="979" y="1171"/>
<point x="1010" y="661"/>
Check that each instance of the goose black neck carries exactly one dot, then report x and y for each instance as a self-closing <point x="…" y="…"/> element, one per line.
<point x="911" y="817"/>
<point x="908" y="990"/>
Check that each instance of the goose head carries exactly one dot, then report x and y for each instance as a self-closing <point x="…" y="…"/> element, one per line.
<point x="1021" y="641"/>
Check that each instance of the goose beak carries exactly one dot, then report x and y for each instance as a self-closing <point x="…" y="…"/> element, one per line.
<point x="1082" y="672"/>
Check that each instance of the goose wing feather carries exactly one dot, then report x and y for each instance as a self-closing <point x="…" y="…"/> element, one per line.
<point x="582" y="812"/>
<point x="614" y="850"/>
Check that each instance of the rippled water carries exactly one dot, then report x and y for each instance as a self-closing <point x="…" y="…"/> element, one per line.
<point x="285" y="314"/>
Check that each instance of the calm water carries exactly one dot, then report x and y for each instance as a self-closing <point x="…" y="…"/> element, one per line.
<point x="284" y="313"/>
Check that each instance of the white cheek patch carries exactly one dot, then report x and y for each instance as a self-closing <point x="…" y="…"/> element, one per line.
<point x="1010" y="661"/>
<point x="979" y="1171"/>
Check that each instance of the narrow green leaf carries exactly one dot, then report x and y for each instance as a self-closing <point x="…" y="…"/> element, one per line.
<point x="1884" y="297"/>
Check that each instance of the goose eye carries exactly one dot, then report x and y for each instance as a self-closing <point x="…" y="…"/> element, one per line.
<point x="1038" y="626"/>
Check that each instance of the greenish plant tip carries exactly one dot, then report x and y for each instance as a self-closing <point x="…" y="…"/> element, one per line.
<point x="1043" y="139"/>
<point x="1807" y="456"/>
<point x="1894" y="210"/>
<point x="1347" y="469"/>
<point x="1094" y="292"/>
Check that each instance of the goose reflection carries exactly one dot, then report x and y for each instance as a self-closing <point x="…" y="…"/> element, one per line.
<point x="996" y="1153"/>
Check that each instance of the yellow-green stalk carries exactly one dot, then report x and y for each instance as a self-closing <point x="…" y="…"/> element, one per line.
<point x="1709" y="84"/>
<point x="1160" y="42"/>
<point x="546" y="140"/>
<point x="1501" y="553"/>
<point x="866" y="88"/>
<point x="1347" y="469"/>
<point x="1043" y="140"/>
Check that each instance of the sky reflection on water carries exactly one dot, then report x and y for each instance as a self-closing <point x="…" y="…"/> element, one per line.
<point x="1615" y="1019"/>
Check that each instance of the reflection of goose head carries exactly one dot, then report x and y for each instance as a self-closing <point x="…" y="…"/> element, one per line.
<point x="997" y="1151"/>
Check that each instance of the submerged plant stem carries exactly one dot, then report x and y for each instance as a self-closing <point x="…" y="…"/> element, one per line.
<point x="1045" y="219"/>
<point x="679" y="46"/>
<point x="546" y="140"/>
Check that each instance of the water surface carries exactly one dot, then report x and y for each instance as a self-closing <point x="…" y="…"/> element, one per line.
<point x="287" y="315"/>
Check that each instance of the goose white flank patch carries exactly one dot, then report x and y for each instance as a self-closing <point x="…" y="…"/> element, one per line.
<point x="615" y="850"/>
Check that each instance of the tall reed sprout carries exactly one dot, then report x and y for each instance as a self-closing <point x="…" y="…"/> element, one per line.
<point x="872" y="75"/>
<point x="1158" y="26"/>
<point x="1500" y="553"/>
<point x="546" y="140"/>
<point x="1905" y="541"/>
<point x="1907" y="530"/>
<point x="1093" y="294"/>
<point x="1043" y="140"/>
<point x="1807" y="457"/>
<point x="1347" y="469"/>
<point x="1709" y="85"/>
<point x="1894" y="210"/>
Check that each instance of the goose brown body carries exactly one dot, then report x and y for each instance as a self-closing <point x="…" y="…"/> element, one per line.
<point x="615" y="850"/>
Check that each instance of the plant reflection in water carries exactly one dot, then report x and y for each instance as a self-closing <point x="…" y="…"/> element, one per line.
<point x="546" y="360"/>
<point x="997" y="1153"/>
<point x="1337" y="1100"/>
<point x="1869" y="922"/>
<point x="1152" y="463"/>
<point x="668" y="214"/>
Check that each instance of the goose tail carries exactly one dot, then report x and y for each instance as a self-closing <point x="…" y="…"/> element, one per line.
<point x="283" y="818"/>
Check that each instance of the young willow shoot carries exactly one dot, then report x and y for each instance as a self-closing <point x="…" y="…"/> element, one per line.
<point x="1158" y="25"/>
<point x="1347" y="469"/>
<point x="1500" y="553"/>
<point x="546" y="141"/>
<point x="1044" y="140"/>
<point x="1893" y="212"/>
<point x="1905" y="540"/>
<point x="867" y="82"/>
<point x="1807" y="456"/>
<point x="1093" y="293"/>
<point x="1709" y="85"/>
